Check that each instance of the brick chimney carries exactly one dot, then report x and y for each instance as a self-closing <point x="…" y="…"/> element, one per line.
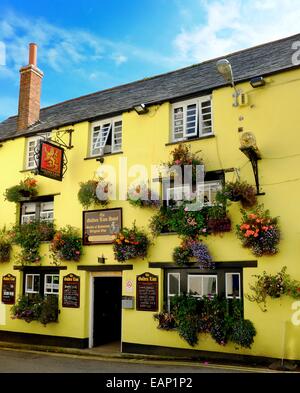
<point x="30" y="91"/>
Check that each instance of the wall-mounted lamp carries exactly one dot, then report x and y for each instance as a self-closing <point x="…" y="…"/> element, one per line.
<point x="141" y="109"/>
<point x="102" y="259"/>
<point x="257" y="81"/>
<point x="225" y="69"/>
<point x="250" y="149"/>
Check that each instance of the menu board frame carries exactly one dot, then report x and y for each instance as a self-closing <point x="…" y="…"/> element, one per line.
<point x="85" y="241"/>
<point x="142" y="280"/>
<point x="67" y="280"/>
<point x="11" y="279"/>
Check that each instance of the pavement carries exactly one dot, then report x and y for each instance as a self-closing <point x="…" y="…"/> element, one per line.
<point x="112" y="353"/>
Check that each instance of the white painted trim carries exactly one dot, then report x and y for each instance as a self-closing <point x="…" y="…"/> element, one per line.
<point x="231" y="297"/>
<point x="202" y="276"/>
<point x="91" y="326"/>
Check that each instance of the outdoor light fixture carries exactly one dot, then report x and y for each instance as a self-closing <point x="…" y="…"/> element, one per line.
<point x="225" y="69"/>
<point x="257" y="81"/>
<point x="102" y="259"/>
<point x="140" y="109"/>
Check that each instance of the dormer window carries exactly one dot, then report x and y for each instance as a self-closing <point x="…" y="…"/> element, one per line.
<point x="106" y="137"/>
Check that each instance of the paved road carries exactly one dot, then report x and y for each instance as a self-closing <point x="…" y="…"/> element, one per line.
<point x="12" y="361"/>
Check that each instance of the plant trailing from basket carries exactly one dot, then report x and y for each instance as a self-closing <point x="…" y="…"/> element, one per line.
<point x="66" y="245"/>
<point x="241" y="191"/>
<point x="196" y="249"/>
<point x="214" y="315"/>
<point x="25" y="189"/>
<point x="29" y="237"/>
<point x="185" y="223"/>
<point x="259" y="231"/>
<point x="141" y="196"/>
<point x="90" y="191"/>
<point x="36" y="308"/>
<point x="5" y="245"/>
<point x="182" y="156"/>
<point x="273" y="286"/>
<point x="131" y="243"/>
<point x="166" y="320"/>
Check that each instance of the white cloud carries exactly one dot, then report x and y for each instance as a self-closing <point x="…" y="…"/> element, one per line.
<point x="232" y="25"/>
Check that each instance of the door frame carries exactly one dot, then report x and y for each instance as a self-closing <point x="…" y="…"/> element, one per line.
<point x="94" y="275"/>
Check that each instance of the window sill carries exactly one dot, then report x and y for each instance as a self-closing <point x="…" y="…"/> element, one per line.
<point x="28" y="170"/>
<point x="105" y="155"/>
<point x="191" y="140"/>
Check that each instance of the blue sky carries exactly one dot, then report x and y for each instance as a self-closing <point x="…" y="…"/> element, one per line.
<point x="86" y="46"/>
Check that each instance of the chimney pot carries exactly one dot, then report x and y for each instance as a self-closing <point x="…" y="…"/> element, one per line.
<point x="33" y="54"/>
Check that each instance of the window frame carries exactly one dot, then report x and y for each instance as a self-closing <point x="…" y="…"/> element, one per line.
<point x="202" y="276"/>
<point x="38" y="210"/>
<point x="240" y="287"/>
<point x="52" y="284"/>
<point x="26" y="291"/>
<point x="169" y="295"/>
<point x="112" y="131"/>
<point x="41" y="273"/>
<point x="185" y="271"/>
<point x="35" y="139"/>
<point x="198" y="133"/>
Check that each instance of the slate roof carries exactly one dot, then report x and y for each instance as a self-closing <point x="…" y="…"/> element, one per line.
<point x="261" y="60"/>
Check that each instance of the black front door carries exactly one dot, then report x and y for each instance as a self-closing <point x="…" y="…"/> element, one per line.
<point x="107" y="309"/>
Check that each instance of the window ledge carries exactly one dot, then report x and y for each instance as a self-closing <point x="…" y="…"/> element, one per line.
<point x="167" y="233"/>
<point x="105" y="155"/>
<point x="27" y="170"/>
<point x="191" y="140"/>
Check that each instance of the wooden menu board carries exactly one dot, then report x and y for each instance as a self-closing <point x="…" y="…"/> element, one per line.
<point x="8" y="289"/>
<point x="71" y="291"/>
<point x="147" y="292"/>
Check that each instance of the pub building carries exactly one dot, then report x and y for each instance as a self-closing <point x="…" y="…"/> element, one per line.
<point x="80" y="271"/>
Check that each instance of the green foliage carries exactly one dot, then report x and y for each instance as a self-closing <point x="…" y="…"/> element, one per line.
<point x="36" y="308"/>
<point x="29" y="237"/>
<point x="5" y="245"/>
<point x="243" y="332"/>
<point x="273" y="286"/>
<point x="185" y="223"/>
<point x="25" y="189"/>
<point x="66" y="245"/>
<point x="87" y="194"/>
<point x="181" y="255"/>
<point x="220" y="317"/>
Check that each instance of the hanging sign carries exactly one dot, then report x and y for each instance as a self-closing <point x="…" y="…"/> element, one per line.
<point x="147" y="292"/>
<point x="8" y="289"/>
<point x="71" y="291"/>
<point x="101" y="226"/>
<point x="51" y="160"/>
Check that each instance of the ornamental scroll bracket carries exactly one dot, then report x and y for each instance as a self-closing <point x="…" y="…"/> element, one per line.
<point x="253" y="154"/>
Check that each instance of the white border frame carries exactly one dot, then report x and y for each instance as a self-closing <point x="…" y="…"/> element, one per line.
<point x="202" y="275"/>
<point x="240" y="289"/>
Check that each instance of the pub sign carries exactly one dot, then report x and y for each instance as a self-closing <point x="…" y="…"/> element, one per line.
<point x="8" y="289"/>
<point x="101" y="226"/>
<point x="51" y="160"/>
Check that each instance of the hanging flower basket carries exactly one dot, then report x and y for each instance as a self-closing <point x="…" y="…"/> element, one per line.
<point x="131" y="243"/>
<point x="141" y="196"/>
<point x="219" y="225"/>
<point x="66" y="245"/>
<point x="90" y="191"/>
<point x="193" y="250"/>
<point x="25" y="189"/>
<point x="241" y="191"/>
<point x="259" y="232"/>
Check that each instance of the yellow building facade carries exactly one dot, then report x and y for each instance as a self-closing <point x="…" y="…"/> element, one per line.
<point x="270" y="112"/>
